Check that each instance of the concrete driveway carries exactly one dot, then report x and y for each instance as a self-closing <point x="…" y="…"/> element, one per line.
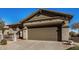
<point x="34" y="45"/>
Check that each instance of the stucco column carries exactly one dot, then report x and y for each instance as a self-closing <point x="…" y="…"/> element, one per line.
<point x="20" y="34"/>
<point x="1" y="35"/>
<point x="25" y="33"/>
<point x="65" y="33"/>
<point x="14" y="36"/>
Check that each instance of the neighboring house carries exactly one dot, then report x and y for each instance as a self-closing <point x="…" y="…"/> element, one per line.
<point x="45" y="25"/>
<point x="6" y="30"/>
<point x="17" y="28"/>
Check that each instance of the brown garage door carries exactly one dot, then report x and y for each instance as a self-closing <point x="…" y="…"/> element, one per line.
<point x="49" y="33"/>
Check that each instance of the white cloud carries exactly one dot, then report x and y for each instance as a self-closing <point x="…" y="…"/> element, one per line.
<point x="39" y="3"/>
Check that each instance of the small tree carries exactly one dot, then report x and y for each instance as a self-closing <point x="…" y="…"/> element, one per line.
<point x="72" y="34"/>
<point x="76" y="26"/>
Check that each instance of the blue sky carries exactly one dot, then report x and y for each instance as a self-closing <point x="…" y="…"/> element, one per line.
<point x="14" y="15"/>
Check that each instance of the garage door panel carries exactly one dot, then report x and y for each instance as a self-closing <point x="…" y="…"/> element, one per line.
<point x="43" y="33"/>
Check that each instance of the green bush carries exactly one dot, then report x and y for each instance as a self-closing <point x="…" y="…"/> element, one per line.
<point x="74" y="48"/>
<point x="3" y="42"/>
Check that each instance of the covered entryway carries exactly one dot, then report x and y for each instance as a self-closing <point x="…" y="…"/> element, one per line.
<point x="46" y="33"/>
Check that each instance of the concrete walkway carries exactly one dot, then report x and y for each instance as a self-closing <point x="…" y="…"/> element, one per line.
<point x="34" y="45"/>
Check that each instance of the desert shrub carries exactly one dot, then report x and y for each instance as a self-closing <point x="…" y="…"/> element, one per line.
<point x="72" y="34"/>
<point x="3" y="42"/>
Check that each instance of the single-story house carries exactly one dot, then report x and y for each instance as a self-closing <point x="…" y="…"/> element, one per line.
<point x="46" y="25"/>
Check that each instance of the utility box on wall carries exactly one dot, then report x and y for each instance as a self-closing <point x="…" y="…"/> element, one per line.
<point x="65" y="34"/>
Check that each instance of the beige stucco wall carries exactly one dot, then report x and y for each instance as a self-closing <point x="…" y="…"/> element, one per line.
<point x="43" y="33"/>
<point x="65" y="33"/>
<point x="6" y="32"/>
